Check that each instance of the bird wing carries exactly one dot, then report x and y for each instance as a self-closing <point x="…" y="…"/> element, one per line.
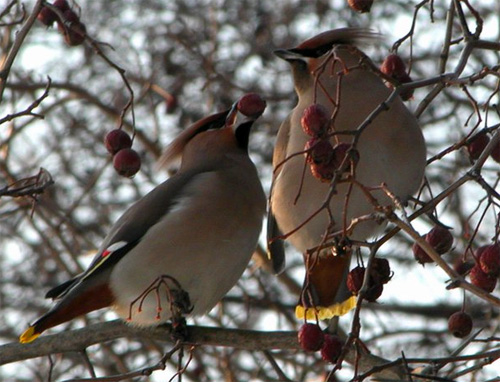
<point x="275" y="245"/>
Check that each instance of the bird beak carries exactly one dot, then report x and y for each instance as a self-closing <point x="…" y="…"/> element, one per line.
<point x="289" y="55"/>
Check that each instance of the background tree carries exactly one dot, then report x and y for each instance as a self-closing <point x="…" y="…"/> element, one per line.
<point x="153" y="67"/>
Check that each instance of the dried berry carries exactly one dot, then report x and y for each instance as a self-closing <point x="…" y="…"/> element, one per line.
<point x="440" y="239"/>
<point x="460" y="324"/>
<point x="47" y="16"/>
<point x="420" y="255"/>
<point x="393" y="66"/>
<point x="360" y="6"/>
<point x="251" y="105"/>
<point x="374" y="291"/>
<point x="482" y="280"/>
<point x="340" y="152"/>
<point x="355" y="279"/>
<point x="311" y="337"/>
<point x="117" y="140"/>
<point x="332" y="348"/>
<point x="489" y="259"/>
<point x="315" y="120"/>
<point x="127" y="162"/>
<point x="62" y="5"/>
<point x="72" y="28"/>
<point x="462" y="267"/>
<point x="477" y="145"/>
<point x="380" y="271"/>
<point x="318" y="151"/>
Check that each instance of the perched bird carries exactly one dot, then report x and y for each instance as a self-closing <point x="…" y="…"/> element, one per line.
<point x="180" y="248"/>
<point x="330" y="71"/>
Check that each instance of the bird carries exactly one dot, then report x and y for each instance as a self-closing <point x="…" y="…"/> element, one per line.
<point x="330" y="70"/>
<point x="178" y="250"/>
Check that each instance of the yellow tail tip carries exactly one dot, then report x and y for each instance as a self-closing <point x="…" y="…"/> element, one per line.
<point x="29" y="335"/>
<point x="326" y="312"/>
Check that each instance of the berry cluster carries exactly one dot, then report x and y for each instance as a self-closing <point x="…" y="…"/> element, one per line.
<point x="68" y="22"/>
<point x="439" y="238"/>
<point x="312" y="338"/>
<point x="126" y="160"/>
<point x="394" y="67"/>
<point x="380" y="274"/>
<point x="323" y="158"/>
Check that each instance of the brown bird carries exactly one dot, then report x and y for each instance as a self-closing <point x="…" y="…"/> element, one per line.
<point x="180" y="248"/>
<point x="330" y="71"/>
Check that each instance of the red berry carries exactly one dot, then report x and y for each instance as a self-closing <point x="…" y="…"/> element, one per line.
<point x="482" y="280"/>
<point x="360" y="6"/>
<point x="393" y="66"/>
<point x="251" y="105"/>
<point x="408" y="93"/>
<point x="477" y="144"/>
<point x="127" y="162"/>
<point x="315" y="120"/>
<point x="489" y="259"/>
<point x="47" y="16"/>
<point x="440" y="239"/>
<point x="117" y="140"/>
<point x="460" y="324"/>
<point x="332" y="348"/>
<point x="355" y="279"/>
<point x="380" y="271"/>
<point x="311" y="337"/>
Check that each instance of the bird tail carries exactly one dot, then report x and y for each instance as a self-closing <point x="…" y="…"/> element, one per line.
<point x="81" y="299"/>
<point x="325" y="293"/>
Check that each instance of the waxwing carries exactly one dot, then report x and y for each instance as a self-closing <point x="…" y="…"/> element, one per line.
<point x="180" y="248"/>
<point x="329" y="70"/>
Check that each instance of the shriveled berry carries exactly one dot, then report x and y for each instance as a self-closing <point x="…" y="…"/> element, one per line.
<point x="477" y="145"/>
<point x="460" y="324"/>
<point x="47" y="16"/>
<point x="482" y="280"/>
<point x="315" y="120"/>
<point x="251" y="105"/>
<point x="393" y="66"/>
<point x="323" y="171"/>
<point x="311" y="337"/>
<point x="117" y="140"/>
<point x="318" y="150"/>
<point x="374" y="291"/>
<point x="127" y="162"/>
<point x="62" y="5"/>
<point x="420" y="255"/>
<point x="380" y="271"/>
<point x="408" y="93"/>
<point x="355" y="279"/>
<point x="332" y="348"/>
<point x="462" y="267"/>
<point x="440" y="239"/>
<point x="489" y="260"/>
<point x="340" y="152"/>
<point x="72" y="29"/>
<point x="360" y="6"/>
